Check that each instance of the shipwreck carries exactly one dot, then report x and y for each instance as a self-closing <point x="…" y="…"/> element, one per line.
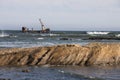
<point x="43" y="29"/>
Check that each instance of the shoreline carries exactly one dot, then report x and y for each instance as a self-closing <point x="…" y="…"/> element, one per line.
<point x="92" y="54"/>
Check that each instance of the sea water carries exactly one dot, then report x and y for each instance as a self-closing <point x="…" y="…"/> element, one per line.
<point x="59" y="73"/>
<point x="21" y="40"/>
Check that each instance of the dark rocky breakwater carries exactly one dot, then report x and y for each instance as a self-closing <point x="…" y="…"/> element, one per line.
<point x="70" y="54"/>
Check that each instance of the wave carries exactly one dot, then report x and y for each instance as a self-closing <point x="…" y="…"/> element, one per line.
<point x="40" y="38"/>
<point x="4" y="34"/>
<point x="118" y="35"/>
<point x="97" y="33"/>
<point x="49" y="34"/>
<point x="24" y="44"/>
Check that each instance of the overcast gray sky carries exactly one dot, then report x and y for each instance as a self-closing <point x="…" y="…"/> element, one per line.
<point x="61" y="14"/>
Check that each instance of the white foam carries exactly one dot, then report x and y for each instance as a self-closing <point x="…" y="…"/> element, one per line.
<point x="118" y="35"/>
<point x="97" y="33"/>
<point x="40" y="38"/>
<point x="54" y="34"/>
<point x="4" y="34"/>
<point x="49" y="34"/>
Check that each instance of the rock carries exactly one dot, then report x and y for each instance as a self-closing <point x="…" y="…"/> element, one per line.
<point x="4" y="79"/>
<point x="65" y="38"/>
<point x="100" y="54"/>
<point x="26" y="70"/>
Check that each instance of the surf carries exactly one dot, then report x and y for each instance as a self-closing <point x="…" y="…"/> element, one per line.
<point x="3" y="34"/>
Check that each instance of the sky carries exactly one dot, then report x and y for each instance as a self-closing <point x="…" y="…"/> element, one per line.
<point x="77" y="15"/>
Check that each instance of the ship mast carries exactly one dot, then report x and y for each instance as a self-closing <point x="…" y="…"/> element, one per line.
<point x="42" y="25"/>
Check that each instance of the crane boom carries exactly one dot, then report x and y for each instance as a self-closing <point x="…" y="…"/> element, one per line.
<point x="44" y="30"/>
<point x="42" y="25"/>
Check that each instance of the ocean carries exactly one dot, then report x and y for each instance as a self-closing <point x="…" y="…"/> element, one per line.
<point x="12" y="38"/>
<point x="18" y="39"/>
